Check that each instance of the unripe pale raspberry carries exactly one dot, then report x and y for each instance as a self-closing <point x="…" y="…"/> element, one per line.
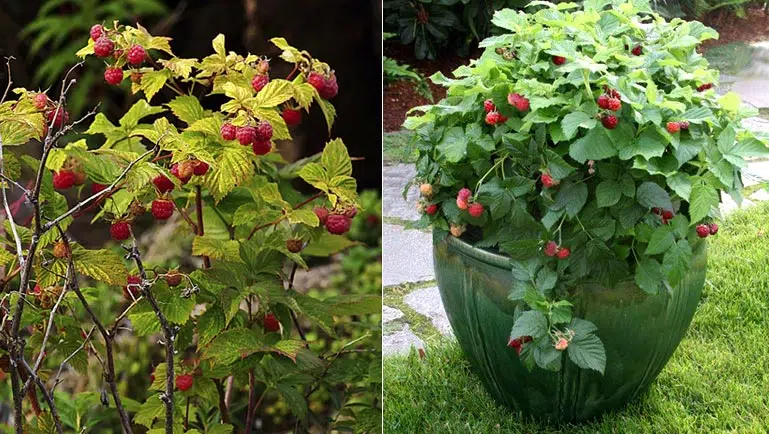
<point x="184" y="382"/>
<point x="264" y="131"/>
<point x="475" y="210"/>
<point x="183" y="171"/>
<point x="63" y="179"/>
<point x="96" y="31"/>
<point x="40" y="101"/>
<point x="703" y="231"/>
<point x="271" y="323"/>
<point x="162" y="209"/>
<point x="464" y="194"/>
<point x="338" y="224"/>
<point x="80" y="177"/>
<point x="200" y="168"/>
<point x="457" y="230"/>
<point x="136" y="55"/>
<point x="120" y="231"/>
<point x="562" y="344"/>
<point x="228" y="131"/>
<point x="246" y="135"/>
<point x="103" y="47"/>
<point x="294" y="245"/>
<point x="113" y="75"/>
<point x="163" y="184"/>
<point x="259" y="81"/>
<point x="263" y="67"/>
<point x="426" y="189"/>
<point x="322" y="214"/>
<point x="462" y="204"/>
<point x="291" y="116"/>
<point x="713" y="228"/>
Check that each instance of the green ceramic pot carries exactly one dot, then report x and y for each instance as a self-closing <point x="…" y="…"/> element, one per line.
<point x="639" y="331"/>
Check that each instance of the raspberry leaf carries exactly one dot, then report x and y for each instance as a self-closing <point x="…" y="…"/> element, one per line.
<point x="648" y="275"/>
<point x="531" y="323"/>
<point x="702" y="199"/>
<point x="650" y="195"/>
<point x="586" y="350"/>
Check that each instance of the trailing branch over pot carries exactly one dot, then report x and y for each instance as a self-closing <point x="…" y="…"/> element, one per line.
<point x="588" y="145"/>
<point x="235" y="333"/>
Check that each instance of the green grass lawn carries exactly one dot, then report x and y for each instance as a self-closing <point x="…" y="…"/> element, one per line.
<point x="716" y="382"/>
<point x="396" y="148"/>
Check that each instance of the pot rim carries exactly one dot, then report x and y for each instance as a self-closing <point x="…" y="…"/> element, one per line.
<point x="479" y="253"/>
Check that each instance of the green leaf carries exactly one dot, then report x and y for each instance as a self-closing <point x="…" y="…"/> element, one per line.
<point x="702" y="199"/>
<point x="226" y="250"/>
<point x="677" y="261"/>
<point x="651" y="195"/>
<point x="531" y="323"/>
<point x="274" y="93"/>
<point x="572" y="121"/>
<point x="730" y="102"/>
<point x="453" y="146"/>
<point x="595" y="145"/>
<point x="187" y="108"/>
<point x="210" y="324"/>
<point x="153" y="81"/>
<point x="608" y="193"/>
<point x="102" y="265"/>
<point x="294" y="398"/>
<point x="335" y="159"/>
<point x="571" y="198"/>
<point x="661" y="240"/>
<point x="648" y="275"/>
<point x="586" y="350"/>
<point x="232" y="346"/>
<point x="649" y="144"/>
<point x="327" y="245"/>
<point x="329" y="112"/>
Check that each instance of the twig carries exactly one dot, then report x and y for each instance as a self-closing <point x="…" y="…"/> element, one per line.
<point x="200" y="229"/>
<point x="170" y="335"/>
<point x="10" y="82"/>
<point x="293" y="314"/>
<point x="47" y="396"/>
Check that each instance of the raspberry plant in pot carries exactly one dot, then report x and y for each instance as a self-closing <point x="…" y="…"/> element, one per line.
<point x="577" y="167"/>
<point x="233" y="330"/>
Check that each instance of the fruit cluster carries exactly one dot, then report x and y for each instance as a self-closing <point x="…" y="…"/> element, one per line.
<point x="133" y="55"/>
<point x="706" y="230"/>
<point x="338" y="220"/>
<point x="258" y="135"/>
<point x="609" y="100"/>
<point x="553" y="249"/>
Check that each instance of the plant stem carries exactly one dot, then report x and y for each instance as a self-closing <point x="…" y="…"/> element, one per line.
<point x="251" y="401"/>
<point x="200" y="228"/>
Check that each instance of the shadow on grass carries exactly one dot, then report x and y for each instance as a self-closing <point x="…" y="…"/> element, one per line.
<point x="716" y="382"/>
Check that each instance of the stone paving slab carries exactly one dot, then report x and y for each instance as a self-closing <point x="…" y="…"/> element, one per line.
<point x="428" y="302"/>
<point x="407" y="255"/>
<point x="400" y="342"/>
<point x="390" y="314"/>
<point x="394" y="178"/>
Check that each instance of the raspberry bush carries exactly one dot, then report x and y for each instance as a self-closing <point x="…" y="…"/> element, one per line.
<point x="234" y="332"/>
<point x="587" y="144"/>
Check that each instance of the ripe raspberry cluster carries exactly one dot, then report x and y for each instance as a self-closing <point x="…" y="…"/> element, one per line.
<point x="71" y="174"/>
<point x="259" y="136"/>
<point x="326" y="85"/>
<point x="553" y="249"/>
<point x="493" y="117"/>
<point x="609" y="100"/>
<point x="665" y="214"/>
<point x="706" y="230"/>
<point x="337" y="221"/>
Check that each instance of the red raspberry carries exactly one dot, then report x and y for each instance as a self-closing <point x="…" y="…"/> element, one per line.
<point x="316" y="80"/>
<point x="63" y="179"/>
<point x="162" y="209"/>
<point x="351" y="212"/>
<point x="183" y="172"/>
<point x="492" y="118"/>
<point x="264" y="131"/>
<point x="431" y="209"/>
<point x="563" y="253"/>
<point x="462" y="204"/>
<point x="80" y="178"/>
<point x="476" y="210"/>
<point x="603" y="101"/>
<point x="637" y="50"/>
<point x="97" y="188"/>
<point x="271" y="324"/>
<point x="464" y="194"/>
<point x="96" y="31"/>
<point x="657" y="211"/>
<point x="133" y="289"/>
<point x="229" y="131"/>
<point x="558" y="60"/>
<point x="40" y="101"/>
<point x="261" y="147"/>
<point x="103" y="47"/>
<point x="703" y="231"/>
<point x="259" y="81"/>
<point x="673" y="127"/>
<point x="609" y="122"/>
<point x="330" y="88"/>
<point x="59" y="116"/>
<point x="614" y="104"/>
<point x="173" y="278"/>
<point x="518" y="101"/>
<point x="548" y="181"/>
<point x="291" y="116"/>
<point x="515" y="343"/>
<point x="705" y="87"/>
<point x="713" y="228"/>
<point x="489" y="106"/>
<point x="294" y="245"/>
<point x="136" y="55"/>
<point x="684" y="125"/>
<point x="113" y="75"/>
<point x="200" y="168"/>
<point x="337" y="224"/>
<point x="246" y="135"/>
<point x="163" y="184"/>
<point x="667" y="214"/>
<point x="184" y="382"/>
<point x="120" y="231"/>
<point x="322" y="214"/>
<point x="551" y="248"/>
<point x="613" y="93"/>
<point x="263" y="66"/>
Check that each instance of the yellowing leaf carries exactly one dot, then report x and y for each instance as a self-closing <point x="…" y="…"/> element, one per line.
<point x="102" y="265"/>
<point x="226" y="250"/>
<point x="218" y="45"/>
<point x="305" y="216"/>
<point x="274" y="93"/>
<point x="730" y="102"/>
<point x="235" y="167"/>
<point x="335" y="159"/>
<point x="289" y="54"/>
<point x="180" y="67"/>
<point x="153" y="81"/>
<point x="187" y="108"/>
